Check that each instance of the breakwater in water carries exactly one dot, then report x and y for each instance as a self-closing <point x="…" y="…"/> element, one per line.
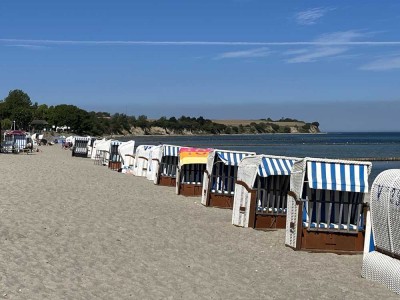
<point x="374" y="158"/>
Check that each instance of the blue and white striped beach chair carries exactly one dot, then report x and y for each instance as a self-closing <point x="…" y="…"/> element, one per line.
<point x="326" y="209"/>
<point x="168" y="164"/>
<point x="114" y="162"/>
<point x="17" y="138"/>
<point x="220" y="177"/>
<point x="261" y="189"/>
<point x="80" y="146"/>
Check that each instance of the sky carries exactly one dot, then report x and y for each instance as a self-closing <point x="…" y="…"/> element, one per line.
<point x="336" y="62"/>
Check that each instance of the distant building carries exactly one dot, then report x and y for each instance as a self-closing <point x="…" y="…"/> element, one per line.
<point x="39" y="125"/>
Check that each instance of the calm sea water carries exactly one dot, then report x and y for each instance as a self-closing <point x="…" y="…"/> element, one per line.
<point x="330" y="145"/>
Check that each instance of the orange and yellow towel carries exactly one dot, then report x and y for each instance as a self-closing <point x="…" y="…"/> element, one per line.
<point x="193" y="155"/>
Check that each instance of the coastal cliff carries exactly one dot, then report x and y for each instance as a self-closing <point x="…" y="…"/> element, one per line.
<point x="230" y="127"/>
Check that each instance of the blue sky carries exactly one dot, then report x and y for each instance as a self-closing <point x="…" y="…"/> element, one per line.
<point x="337" y="62"/>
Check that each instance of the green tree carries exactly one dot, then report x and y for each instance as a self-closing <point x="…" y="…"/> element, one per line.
<point x="16" y="99"/>
<point x="23" y="117"/>
<point x="41" y="112"/>
<point x="6" y="124"/>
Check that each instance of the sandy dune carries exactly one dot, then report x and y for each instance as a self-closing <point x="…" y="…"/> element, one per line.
<point x="72" y="230"/>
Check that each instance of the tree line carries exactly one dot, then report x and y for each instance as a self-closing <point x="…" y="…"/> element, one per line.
<point x="18" y="107"/>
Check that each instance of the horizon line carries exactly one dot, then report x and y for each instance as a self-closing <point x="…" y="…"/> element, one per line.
<point x="199" y="43"/>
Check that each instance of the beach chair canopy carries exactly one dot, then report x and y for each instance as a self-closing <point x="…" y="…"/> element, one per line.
<point x="170" y="150"/>
<point x="143" y="151"/>
<point x="105" y="145"/>
<point x="189" y="155"/>
<point x="115" y="143"/>
<point x="14" y="132"/>
<point x="81" y="138"/>
<point x="275" y="165"/>
<point x="338" y="176"/>
<point x="231" y="158"/>
<point x="227" y="157"/>
<point x="264" y="166"/>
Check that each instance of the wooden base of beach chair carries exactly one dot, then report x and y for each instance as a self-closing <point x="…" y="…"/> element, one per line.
<point x="167" y="181"/>
<point x="114" y="165"/>
<point x="78" y="154"/>
<point x="334" y="242"/>
<point x="221" y="201"/>
<point x="190" y="190"/>
<point x="270" y="222"/>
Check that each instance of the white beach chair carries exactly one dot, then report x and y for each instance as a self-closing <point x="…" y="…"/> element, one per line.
<point x="381" y="260"/>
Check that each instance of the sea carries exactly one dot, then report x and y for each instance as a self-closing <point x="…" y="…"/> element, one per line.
<point x="384" y="146"/>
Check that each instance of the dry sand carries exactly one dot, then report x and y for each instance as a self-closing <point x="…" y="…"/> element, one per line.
<point x="72" y="230"/>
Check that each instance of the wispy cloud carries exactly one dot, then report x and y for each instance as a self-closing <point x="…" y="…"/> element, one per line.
<point x="27" y="46"/>
<point x="383" y="64"/>
<point x="252" y="53"/>
<point x="318" y="53"/>
<point x="342" y="37"/>
<point x="328" y="46"/>
<point x="312" y="15"/>
<point x="324" y="41"/>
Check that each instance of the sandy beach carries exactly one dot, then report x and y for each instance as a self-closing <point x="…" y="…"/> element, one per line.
<point x="72" y="230"/>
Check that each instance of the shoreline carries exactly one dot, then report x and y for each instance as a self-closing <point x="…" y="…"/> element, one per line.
<point x="221" y="134"/>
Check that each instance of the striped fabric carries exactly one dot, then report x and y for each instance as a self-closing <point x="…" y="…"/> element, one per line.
<point x="115" y="143"/>
<point x="231" y="158"/>
<point x="337" y="176"/>
<point x="275" y="166"/>
<point x="80" y="145"/>
<point x="18" y="139"/>
<point x="171" y="150"/>
<point x="82" y="138"/>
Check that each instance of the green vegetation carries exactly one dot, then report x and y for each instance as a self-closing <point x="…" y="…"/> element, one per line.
<point x="18" y="107"/>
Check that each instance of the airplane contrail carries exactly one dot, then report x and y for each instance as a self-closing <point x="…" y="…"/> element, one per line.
<point x="201" y="43"/>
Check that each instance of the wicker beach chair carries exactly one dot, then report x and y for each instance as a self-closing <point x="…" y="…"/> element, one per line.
<point x="114" y="162"/>
<point x="126" y="152"/>
<point x="103" y="149"/>
<point x="168" y="164"/>
<point x="326" y="209"/>
<point x="261" y="189"/>
<point x="80" y="146"/>
<point x="154" y="163"/>
<point x="381" y="260"/>
<point x="190" y="172"/>
<point x="220" y="177"/>
<point x="142" y="155"/>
